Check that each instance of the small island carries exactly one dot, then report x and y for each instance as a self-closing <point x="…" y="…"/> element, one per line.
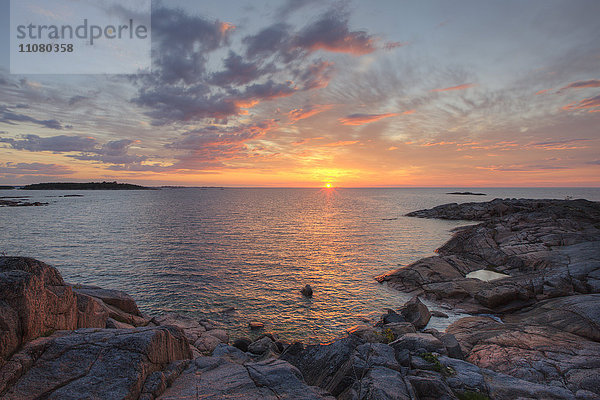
<point x="85" y="186"/>
<point x="467" y="194"/>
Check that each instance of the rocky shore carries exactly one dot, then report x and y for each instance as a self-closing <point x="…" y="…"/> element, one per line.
<point x="539" y="339"/>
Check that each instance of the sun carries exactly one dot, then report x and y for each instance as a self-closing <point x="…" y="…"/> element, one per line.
<point x="328" y="185"/>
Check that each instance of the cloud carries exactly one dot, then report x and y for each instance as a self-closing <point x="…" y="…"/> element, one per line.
<point x="182" y="43"/>
<point x="237" y="71"/>
<point x="394" y="45"/>
<point x="291" y="6"/>
<point x="34" y="169"/>
<point x="209" y="147"/>
<point x="523" y="167"/>
<point x="459" y="87"/>
<point x="591" y="104"/>
<point x="565" y="144"/>
<point x="593" y="83"/>
<point x="341" y="143"/>
<point x="9" y="117"/>
<point x="331" y="33"/>
<point x="362" y="119"/>
<point x="112" y="152"/>
<point x="272" y="63"/>
<point x="307" y="112"/>
<point x="57" y="144"/>
<point x="317" y="75"/>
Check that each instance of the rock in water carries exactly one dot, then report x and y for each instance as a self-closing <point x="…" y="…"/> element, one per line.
<point x="415" y="312"/>
<point x="307" y="291"/>
<point x="256" y="325"/>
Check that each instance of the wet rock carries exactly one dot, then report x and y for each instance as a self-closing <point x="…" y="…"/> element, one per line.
<point x="255" y="325"/>
<point x="415" y="312"/>
<point x="307" y="291"/>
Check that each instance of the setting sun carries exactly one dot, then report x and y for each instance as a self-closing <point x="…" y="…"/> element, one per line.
<point x="328" y="185"/>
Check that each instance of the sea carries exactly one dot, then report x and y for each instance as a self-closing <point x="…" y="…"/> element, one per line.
<point x="235" y="255"/>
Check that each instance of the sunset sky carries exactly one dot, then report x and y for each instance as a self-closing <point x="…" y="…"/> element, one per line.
<point x="301" y="93"/>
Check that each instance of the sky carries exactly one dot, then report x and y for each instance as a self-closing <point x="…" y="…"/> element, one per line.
<point x="301" y="93"/>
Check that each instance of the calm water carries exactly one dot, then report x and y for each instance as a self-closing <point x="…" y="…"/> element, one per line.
<point x="200" y="251"/>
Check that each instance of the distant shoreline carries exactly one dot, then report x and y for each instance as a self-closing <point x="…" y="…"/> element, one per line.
<point x="85" y="186"/>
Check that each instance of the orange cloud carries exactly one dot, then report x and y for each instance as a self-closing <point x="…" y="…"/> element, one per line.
<point x="303" y="113"/>
<point x="225" y="27"/>
<point x="362" y="119"/>
<point x="541" y="92"/>
<point x="592" y="83"/>
<point x="459" y="87"/>
<point x="591" y="104"/>
<point x="341" y="143"/>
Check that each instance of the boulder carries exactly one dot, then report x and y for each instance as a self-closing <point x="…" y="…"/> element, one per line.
<point x="192" y="327"/>
<point x="91" y="363"/>
<point x="415" y="312"/>
<point x="323" y="365"/>
<point x="256" y="325"/>
<point x="263" y="345"/>
<point x="206" y="343"/>
<point x="429" y="385"/>
<point x="34" y="302"/>
<point x="91" y="313"/>
<point x="400" y="328"/>
<point x="391" y="317"/>
<point x="307" y="291"/>
<point x="242" y="343"/>
<point x="115" y="298"/>
<point x="378" y="383"/>
<point x="366" y="333"/>
<point x="419" y="341"/>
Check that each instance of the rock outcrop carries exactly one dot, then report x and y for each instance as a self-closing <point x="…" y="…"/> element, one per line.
<point x="544" y="320"/>
<point x="93" y="363"/>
